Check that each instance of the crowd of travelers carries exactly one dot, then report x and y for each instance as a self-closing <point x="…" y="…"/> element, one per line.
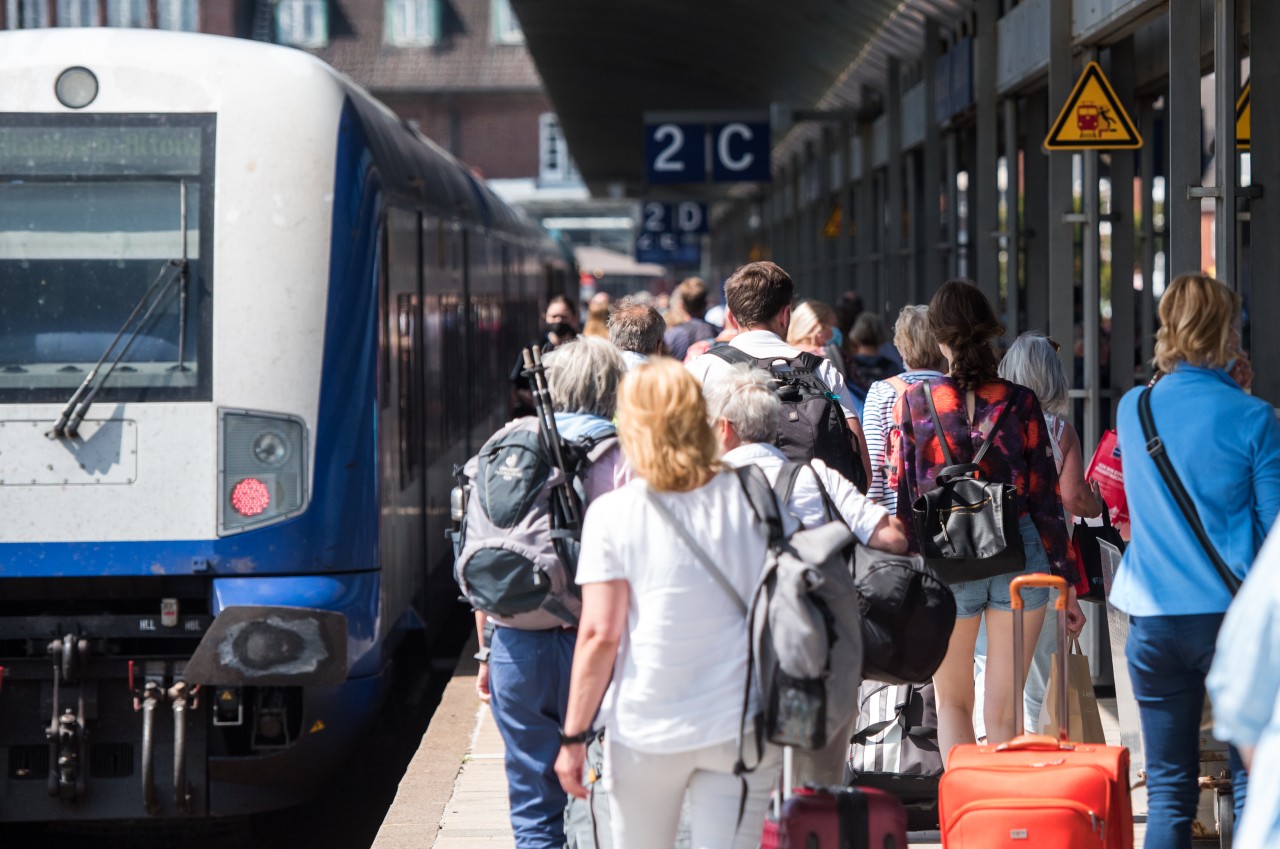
<point x="634" y="699"/>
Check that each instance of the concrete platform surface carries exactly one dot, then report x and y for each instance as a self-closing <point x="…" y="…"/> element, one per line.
<point x="454" y="793"/>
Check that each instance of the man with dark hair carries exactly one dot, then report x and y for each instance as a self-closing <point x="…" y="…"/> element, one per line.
<point x="759" y="295"/>
<point x="636" y="329"/>
<point x="692" y="296"/>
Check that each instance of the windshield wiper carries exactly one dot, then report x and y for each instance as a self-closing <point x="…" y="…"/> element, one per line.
<point x="68" y="422"/>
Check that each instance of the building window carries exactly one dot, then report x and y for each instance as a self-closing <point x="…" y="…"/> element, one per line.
<point x="412" y="23"/>
<point x="554" y="164"/>
<point x="302" y="23"/>
<point x="506" y="28"/>
<point x="178" y="15"/>
<point x="126" y="13"/>
<point x="78" y="13"/>
<point x="26" y="14"/>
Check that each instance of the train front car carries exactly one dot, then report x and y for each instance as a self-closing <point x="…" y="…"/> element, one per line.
<point x="192" y="616"/>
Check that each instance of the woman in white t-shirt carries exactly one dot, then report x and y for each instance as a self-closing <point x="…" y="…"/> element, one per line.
<point x="661" y="634"/>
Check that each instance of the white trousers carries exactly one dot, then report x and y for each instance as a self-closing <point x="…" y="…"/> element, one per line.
<point x="646" y="793"/>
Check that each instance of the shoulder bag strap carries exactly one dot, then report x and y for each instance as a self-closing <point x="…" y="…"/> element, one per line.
<point x="702" y="556"/>
<point x="937" y="424"/>
<point x="1155" y="448"/>
<point x="995" y="427"/>
<point x="899" y="385"/>
<point x="730" y="354"/>
<point x="763" y="501"/>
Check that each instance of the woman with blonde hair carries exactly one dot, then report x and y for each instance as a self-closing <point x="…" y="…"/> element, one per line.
<point x="658" y="631"/>
<point x="811" y="327"/>
<point x="1224" y="448"/>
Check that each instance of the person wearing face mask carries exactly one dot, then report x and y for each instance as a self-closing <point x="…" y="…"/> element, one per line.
<point x="560" y="324"/>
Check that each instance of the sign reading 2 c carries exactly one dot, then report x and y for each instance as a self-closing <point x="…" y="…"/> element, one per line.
<point x="734" y="151"/>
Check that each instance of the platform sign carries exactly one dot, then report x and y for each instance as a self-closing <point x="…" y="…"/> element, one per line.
<point x="740" y="152"/>
<point x="1243" y="121"/>
<point x="675" y="153"/>
<point x="687" y="216"/>
<point x="669" y="248"/>
<point x="692" y="148"/>
<point x="1092" y="118"/>
<point x="671" y="233"/>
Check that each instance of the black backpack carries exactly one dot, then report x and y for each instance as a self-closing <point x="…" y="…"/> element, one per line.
<point x="812" y="423"/>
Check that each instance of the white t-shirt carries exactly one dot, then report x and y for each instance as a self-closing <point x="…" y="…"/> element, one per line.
<point x="860" y="513"/>
<point x="682" y="666"/>
<point x="765" y="343"/>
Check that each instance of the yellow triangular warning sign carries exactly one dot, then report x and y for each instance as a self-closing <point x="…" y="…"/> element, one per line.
<point x="1242" y="119"/>
<point x="317" y="727"/>
<point x="1092" y="118"/>
<point x="831" y="230"/>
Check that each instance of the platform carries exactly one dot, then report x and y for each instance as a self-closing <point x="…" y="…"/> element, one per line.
<point x="454" y="792"/>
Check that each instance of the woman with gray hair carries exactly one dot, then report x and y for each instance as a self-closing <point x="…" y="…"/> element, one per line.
<point x="923" y="359"/>
<point x="743" y="409"/>
<point x="1032" y="361"/>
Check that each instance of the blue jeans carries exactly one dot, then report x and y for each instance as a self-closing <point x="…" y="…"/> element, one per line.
<point x="972" y="597"/>
<point x="529" y="687"/>
<point x="1169" y="657"/>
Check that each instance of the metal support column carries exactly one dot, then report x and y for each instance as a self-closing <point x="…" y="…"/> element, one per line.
<point x="1060" y="234"/>
<point x="1264" y="93"/>
<point x="844" y="246"/>
<point x="1147" y="302"/>
<point x="953" y="206"/>
<point x="1089" y="431"/>
<point x="867" y="219"/>
<point x="1183" y="212"/>
<point x="985" y="215"/>
<point x="912" y="255"/>
<point x="891" y="274"/>
<point x="1226" y="83"/>
<point x="810" y="235"/>
<point x="933" y="270"/>
<point x="1035" y="212"/>
<point x="1012" y="221"/>
<point x="1122" y="168"/>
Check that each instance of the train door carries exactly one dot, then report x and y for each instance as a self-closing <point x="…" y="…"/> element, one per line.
<point x="402" y="426"/>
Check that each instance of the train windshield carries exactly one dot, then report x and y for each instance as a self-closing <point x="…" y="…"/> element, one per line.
<point x="91" y="215"/>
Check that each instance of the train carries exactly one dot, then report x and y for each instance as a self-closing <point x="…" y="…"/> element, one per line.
<point x="251" y="320"/>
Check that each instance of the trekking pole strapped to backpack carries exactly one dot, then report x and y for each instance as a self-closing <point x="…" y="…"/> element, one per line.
<point x="565" y="496"/>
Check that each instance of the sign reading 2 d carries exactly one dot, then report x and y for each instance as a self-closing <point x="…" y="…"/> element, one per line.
<point x="689" y="149"/>
<point x="670" y="233"/>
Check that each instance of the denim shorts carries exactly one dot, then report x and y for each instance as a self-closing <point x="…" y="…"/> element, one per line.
<point x="973" y="596"/>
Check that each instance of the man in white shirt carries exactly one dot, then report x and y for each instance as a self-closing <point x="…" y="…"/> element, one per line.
<point x="636" y="330"/>
<point x="759" y="295"/>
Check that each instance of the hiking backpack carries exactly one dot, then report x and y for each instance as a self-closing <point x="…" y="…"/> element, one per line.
<point x="515" y="553"/>
<point x="806" y="632"/>
<point x="812" y="423"/>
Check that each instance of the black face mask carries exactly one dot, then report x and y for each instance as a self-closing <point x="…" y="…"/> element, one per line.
<point x="560" y="328"/>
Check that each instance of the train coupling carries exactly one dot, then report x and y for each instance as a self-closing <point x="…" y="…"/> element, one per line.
<point x="67" y="732"/>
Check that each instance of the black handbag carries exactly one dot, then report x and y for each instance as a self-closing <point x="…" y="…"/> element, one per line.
<point x="1084" y="539"/>
<point x="967" y="526"/>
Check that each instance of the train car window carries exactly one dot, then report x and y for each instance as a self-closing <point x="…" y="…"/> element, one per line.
<point x="408" y="347"/>
<point x="91" y="225"/>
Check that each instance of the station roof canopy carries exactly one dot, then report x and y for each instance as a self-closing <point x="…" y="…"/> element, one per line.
<point x="605" y="64"/>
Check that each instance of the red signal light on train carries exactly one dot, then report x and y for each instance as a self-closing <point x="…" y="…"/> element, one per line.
<point x="250" y="497"/>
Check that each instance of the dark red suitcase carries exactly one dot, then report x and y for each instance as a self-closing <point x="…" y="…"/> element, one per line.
<point x="837" y="818"/>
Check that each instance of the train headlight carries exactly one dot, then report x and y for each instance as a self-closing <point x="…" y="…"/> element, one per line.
<point x="76" y="88"/>
<point x="263" y="475"/>
<point x="270" y="448"/>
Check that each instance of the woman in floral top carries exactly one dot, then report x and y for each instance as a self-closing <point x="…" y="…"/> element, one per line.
<point x="968" y="400"/>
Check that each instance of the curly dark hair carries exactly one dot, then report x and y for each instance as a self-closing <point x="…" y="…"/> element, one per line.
<point x="961" y="318"/>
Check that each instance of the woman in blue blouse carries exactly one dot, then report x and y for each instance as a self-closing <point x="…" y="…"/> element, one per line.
<point x="1225" y="447"/>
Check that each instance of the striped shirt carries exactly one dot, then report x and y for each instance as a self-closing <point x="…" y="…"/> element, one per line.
<point x="876" y="420"/>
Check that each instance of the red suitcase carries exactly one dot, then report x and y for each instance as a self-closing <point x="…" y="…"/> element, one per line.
<point x="1036" y="790"/>
<point x="837" y="818"/>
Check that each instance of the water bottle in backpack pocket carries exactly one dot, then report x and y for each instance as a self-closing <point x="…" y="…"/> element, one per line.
<point x="516" y="552"/>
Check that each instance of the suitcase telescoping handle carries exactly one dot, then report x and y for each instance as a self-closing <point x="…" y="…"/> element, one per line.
<point x="1021" y="738"/>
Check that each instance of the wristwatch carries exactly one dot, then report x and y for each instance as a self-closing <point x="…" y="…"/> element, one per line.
<point x="571" y="739"/>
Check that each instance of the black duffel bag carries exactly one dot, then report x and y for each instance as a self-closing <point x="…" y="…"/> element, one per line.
<point x="967" y="526"/>
<point x="908" y="613"/>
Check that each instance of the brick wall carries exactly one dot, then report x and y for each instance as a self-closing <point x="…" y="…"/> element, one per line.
<point x="496" y="133"/>
<point x="218" y="18"/>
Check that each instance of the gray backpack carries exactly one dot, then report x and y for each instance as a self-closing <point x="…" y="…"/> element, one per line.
<point x="515" y="554"/>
